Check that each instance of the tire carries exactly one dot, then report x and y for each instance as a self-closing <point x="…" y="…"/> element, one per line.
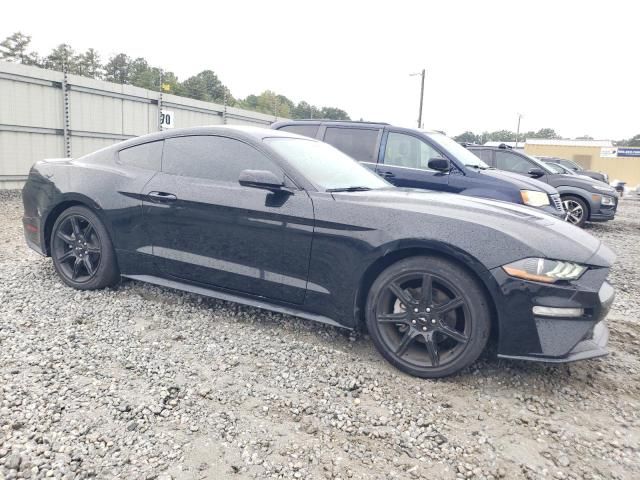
<point x="573" y="203"/>
<point x="82" y="252"/>
<point x="450" y="328"/>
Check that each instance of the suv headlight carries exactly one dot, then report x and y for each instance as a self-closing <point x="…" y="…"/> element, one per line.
<point x="544" y="270"/>
<point x="606" y="200"/>
<point x="534" y="198"/>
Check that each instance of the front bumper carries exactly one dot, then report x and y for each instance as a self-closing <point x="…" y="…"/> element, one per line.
<point x="525" y="336"/>
<point x="553" y="210"/>
<point x="603" y="213"/>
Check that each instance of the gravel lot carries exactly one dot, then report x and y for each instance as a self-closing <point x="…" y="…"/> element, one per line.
<point x="144" y="382"/>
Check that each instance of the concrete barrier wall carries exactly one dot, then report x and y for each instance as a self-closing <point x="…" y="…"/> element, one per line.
<point x="45" y="114"/>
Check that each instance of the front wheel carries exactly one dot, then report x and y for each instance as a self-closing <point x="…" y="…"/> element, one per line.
<point x="428" y="317"/>
<point x="577" y="211"/>
<point x="82" y="252"/>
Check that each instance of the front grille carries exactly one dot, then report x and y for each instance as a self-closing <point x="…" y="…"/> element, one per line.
<point x="556" y="201"/>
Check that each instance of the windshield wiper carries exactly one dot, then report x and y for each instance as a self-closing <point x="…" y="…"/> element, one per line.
<point x="349" y="189"/>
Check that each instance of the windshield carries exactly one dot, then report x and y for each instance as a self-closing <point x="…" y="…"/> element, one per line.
<point x="457" y="151"/>
<point x="539" y="163"/>
<point x="325" y="166"/>
<point x="555" y="168"/>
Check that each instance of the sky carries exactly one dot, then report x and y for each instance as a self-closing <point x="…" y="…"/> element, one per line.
<point x="568" y="65"/>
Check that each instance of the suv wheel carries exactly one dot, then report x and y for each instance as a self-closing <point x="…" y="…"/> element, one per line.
<point x="576" y="210"/>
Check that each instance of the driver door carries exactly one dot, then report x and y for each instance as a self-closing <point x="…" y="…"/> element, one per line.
<point x="208" y="229"/>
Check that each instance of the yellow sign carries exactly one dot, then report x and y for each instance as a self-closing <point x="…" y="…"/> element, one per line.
<point x="166" y="87"/>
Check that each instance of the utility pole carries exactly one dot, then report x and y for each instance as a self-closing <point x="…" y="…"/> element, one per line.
<point x="518" y="129"/>
<point x="422" y="74"/>
<point x="275" y="105"/>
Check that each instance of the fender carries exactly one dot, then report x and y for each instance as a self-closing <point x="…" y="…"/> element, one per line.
<point x="387" y="254"/>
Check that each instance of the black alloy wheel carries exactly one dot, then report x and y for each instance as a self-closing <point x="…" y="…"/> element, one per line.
<point x="428" y="316"/>
<point x="81" y="249"/>
<point x="76" y="248"/>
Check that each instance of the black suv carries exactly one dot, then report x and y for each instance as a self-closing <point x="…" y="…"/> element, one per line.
<point x="584" y="199"/>
<point x="414" y="158"/>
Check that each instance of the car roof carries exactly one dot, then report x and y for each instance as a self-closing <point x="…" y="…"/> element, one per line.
<point x="346" y="123"/>
<point x="246" y="132"/>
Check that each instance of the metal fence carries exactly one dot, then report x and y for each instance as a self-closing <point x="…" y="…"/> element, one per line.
<point x="48" y="114"/>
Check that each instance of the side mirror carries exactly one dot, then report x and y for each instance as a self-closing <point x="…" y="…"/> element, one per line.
<point x="439" y="164"/>
<point x="261" y="179"/>
<point x="536" y="172"/>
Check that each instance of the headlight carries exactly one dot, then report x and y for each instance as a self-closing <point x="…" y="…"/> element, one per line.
<point x="544" y="270"/>
<point x="534" y="198"/>
<point x="603" y="188"/>
<point x="606" y="200"/>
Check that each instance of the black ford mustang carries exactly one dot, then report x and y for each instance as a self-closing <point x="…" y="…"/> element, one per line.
<point x="290" y="224"/>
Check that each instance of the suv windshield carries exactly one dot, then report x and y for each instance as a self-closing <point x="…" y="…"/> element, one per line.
<point x="539" y="163"/>
<point x="555" y="168"/>
<point x="456" y="150"/>
<point x="326" y="167"/>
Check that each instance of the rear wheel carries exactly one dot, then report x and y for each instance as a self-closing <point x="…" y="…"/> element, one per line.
<point x="428" y="316"/>
<point x="82" y="252"/>
<point x="577" y="211"/>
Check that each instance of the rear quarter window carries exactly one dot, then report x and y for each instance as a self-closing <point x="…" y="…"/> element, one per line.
<point x="147" y="156"/>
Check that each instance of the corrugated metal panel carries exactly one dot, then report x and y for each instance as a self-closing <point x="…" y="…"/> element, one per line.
<point x="20" y="150"/>
<point x="95" y="113"/>
<point x="44" y="104"/>
<point x="83" y="145"/>
<point x="100" y="114"/>
<point x="136" y="117"/>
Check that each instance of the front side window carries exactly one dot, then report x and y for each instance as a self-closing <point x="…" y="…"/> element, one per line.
<point x="512" y="162"/>
<point x="147" y="156"/>
<point x="212" y="157"/>
<point x="408" y="151"/>
<point x="326" y="167"/>
<point x="358" y="143"/>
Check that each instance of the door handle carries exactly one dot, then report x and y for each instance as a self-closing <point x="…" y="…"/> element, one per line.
<point x="162" y="197"/>
<point x="387" y="174"/>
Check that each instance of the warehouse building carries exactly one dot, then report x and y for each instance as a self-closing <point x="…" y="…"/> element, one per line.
<point x="599" y="155"/>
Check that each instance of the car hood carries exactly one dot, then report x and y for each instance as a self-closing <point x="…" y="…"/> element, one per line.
<point x="521" y="181"/>
<point x="560" y="179"/>
<point x="523" y="230"/>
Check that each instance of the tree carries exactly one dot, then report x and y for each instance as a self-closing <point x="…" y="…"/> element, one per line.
<point x="61" y="56"/>
<point x="206" y="86"/>
<point x="117" y="68"/>
<point x="546" y="133"/>
<point x="14" y="48"/>
<point x="585" y="137"/>
<point x="467" y="137"/>
<point x="334" y="113"/>
<point x="267" y="102"/>
<point x="88" y="64"/>
<point x="631" y="142"/>
<point x="502" y="136"/>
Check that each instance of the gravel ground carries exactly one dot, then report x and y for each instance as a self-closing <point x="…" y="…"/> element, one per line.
<point x="144" y="382"/>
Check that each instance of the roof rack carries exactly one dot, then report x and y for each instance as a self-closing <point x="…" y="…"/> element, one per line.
<point x="332" y="120"/>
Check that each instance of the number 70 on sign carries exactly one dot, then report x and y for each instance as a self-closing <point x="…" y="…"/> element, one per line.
<point x="167" y="119"/>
